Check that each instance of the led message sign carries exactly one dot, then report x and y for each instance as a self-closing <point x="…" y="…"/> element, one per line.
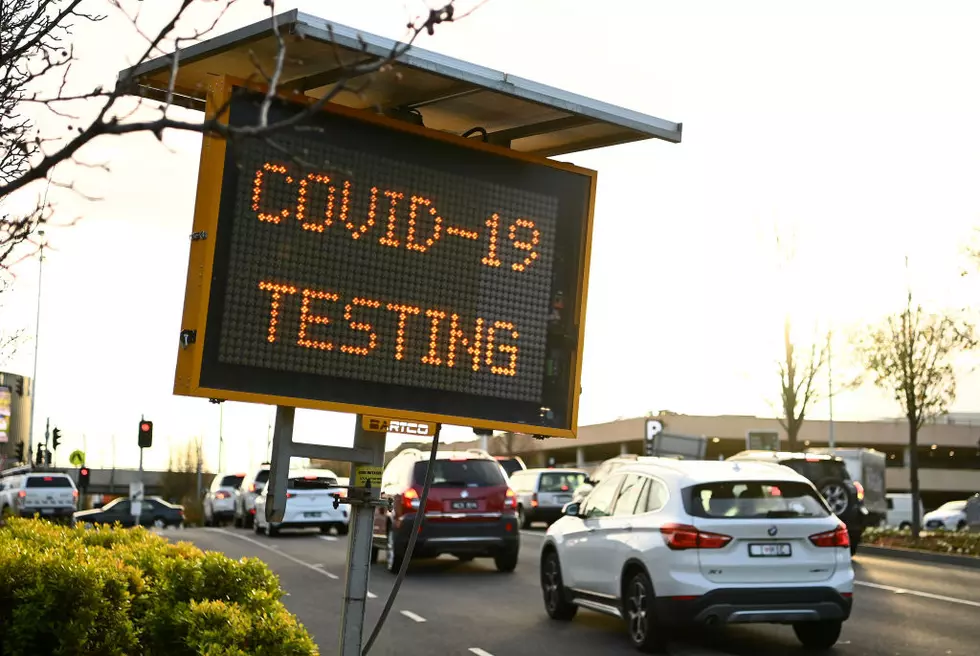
<point x="365" y="265"/>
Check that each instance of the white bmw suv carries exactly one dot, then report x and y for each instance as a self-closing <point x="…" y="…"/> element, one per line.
<point x="670" y="542"/>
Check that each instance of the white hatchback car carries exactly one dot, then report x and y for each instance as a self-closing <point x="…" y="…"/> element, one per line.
<point x="673" y="542"/>
<point x="310" y="497"/>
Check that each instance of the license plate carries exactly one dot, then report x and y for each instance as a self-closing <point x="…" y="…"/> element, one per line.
<point x="562" y="499"/>
<point x="771" y="550"/>
<point x="464" y="505"/>
<point x="311" y="515"/>
<point x="47" y="511"/>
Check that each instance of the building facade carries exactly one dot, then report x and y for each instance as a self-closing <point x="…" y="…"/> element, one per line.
<point x="15" y="415"/>
<point x="949" y="448"/>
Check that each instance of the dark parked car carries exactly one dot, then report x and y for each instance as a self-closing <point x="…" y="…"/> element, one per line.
<point x="153" y="512"/>
<point x="829" y="475"/>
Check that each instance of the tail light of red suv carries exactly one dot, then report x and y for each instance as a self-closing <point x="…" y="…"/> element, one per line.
<point x="510" y="500"/>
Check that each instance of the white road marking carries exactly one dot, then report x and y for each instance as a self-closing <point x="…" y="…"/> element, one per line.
<point x="279" y="552"/>
<point x="412" y="616"/>
<point x="328" y="538"/>
<point x="371" y="595"/>
<point x="918" y="593"/>
<point x="480" y="652"/>
<point x="537" y="534"/>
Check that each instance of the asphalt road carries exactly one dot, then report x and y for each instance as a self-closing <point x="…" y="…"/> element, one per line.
<point x="447" y="607"/>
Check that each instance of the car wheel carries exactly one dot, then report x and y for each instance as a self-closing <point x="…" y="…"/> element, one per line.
<point x="645" y="634"/>
<point x="393" y="557"/>
<point x="522" y="518"/>
<point x="464" y="558"/>
<point x="556" y="603"/>
<point x="961" y="526"/>
<point x="818" y="635"/>
<point x="159" y="523"/>
<point x="905" y="526"/>
<point x="271" y="531"/>
<point x="506" y="561"/>
<point x="343" y="529"/>
<point x="248" y="521"/>
<point x="837" y="495"/>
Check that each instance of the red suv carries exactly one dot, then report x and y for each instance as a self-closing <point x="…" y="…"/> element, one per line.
<point x="471" y="511"/>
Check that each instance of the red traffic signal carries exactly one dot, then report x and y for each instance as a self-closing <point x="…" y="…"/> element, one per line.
<point x="146" y="434"/>
<point x="83" y="475"/>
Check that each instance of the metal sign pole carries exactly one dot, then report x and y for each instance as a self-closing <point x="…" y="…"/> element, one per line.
<point x="359" y="544"/>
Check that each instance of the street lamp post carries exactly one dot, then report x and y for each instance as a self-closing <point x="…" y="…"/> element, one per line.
<point x="37" y="334"/>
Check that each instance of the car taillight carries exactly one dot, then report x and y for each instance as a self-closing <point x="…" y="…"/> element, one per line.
<point x="836" y="538"/>
<point x="251" y="488"/>
<point x="21" y="496"/>
<point x="534" y="500"/>
<point x="410" y="499"/>
<point x="74" y="493"/>
<point x="860" y="490"/>
<point x="221" y="494"/>
<point x="290" y="495"/>
<point x="510" y="500"/>
<point x="342" y="492"/>
<point x="683" y="536"/>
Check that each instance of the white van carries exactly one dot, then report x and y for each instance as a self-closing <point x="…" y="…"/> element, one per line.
<point x="899" y="513"/>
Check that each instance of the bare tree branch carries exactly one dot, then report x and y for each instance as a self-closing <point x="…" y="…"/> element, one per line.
<point x="33" y="51"/>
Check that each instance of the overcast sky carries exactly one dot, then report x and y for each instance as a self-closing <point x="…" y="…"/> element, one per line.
<point x="850" y="126"/>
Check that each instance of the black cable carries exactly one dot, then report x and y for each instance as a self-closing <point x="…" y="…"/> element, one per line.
<point x="407" y="558"/>
<point x="477" y="129"/>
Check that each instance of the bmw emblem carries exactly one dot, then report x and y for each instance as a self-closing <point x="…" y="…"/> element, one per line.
<point x="465" y="494"/>
<point x="772" y="531"/>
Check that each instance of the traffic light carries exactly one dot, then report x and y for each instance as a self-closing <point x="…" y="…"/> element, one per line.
<point x="83" y="474"/>
<point x="146" y="434"/>
<point x="20" y="386"/>
<point x="55" y="438"/>
<point x="20" y="452"/>
<point x="39" y="460"/>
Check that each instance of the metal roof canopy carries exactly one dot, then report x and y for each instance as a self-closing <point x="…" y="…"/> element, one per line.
<point x="451" y="94"/>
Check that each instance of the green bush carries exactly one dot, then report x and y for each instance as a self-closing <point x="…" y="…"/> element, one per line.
<point x="112" y="591"/>
<point x="958" y="543"/>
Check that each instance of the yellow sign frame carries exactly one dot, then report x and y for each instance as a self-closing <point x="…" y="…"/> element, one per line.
<point x="197" y="294"/>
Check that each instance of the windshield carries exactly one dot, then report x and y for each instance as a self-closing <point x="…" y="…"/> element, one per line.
<point x="754" y="500"/>
<point x="262" y="476"/>
<point x="511" y="466"/>
<point x="48" y="481"/>
<point x="953" y="505"/>
<point x="560" y="482"/>
<point x="312" y="483"/>
<point x="233" y="481"/>
<point x="461" y="473"/>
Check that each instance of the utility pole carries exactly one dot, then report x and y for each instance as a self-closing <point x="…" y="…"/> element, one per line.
<point x="830" y="388"/>
<point x="221" y="433"/>
<point x="200" y="456"/>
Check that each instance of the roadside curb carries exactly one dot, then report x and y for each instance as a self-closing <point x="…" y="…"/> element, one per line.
<point x="970" y="562"/>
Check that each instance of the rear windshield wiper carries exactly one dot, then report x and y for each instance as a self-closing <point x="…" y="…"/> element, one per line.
<point x="787" y="513"/>
<point x="452" y="483"/>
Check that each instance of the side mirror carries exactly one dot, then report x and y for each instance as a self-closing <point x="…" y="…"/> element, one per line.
<point x="588" y="481"/>
<point x="571" y="509"/>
